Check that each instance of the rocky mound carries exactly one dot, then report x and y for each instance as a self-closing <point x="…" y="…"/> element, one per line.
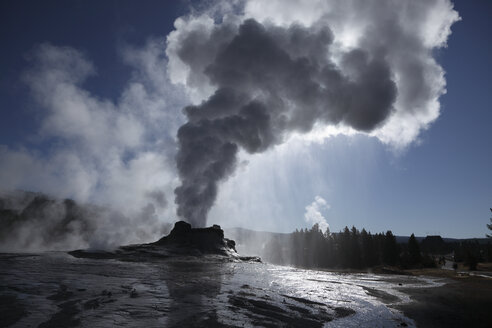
<point x="182" y="241"/>
<point x="208" y="240"/>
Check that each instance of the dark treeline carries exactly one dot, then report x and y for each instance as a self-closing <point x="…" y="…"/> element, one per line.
<point x="356" y="249"/>
<point x="472" y="252"/>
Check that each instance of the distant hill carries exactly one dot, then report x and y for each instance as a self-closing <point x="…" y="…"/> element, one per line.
<point x="482" y="241"/>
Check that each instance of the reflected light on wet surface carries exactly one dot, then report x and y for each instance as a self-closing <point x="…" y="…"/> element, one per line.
<point x="56" y="289"/>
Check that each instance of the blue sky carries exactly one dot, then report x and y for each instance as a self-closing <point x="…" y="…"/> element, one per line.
<point x="439" y="184"/>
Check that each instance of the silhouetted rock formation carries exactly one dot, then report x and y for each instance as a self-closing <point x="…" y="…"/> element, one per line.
<point x="183" y="241"/>
<point x="209" y="239"/>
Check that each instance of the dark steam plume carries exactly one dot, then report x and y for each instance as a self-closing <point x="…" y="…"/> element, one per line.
<point x="270" y="81"/>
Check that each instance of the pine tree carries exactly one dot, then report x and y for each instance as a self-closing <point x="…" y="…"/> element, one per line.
<point x="390" y="249"/>
<point x="490" y="226"/>
<point x="344" y="248"/>
<point x="355" y="254"/>
<point x="329" y="249"/>
<point x="369" y="254"/>
<point x="414" y="250"/>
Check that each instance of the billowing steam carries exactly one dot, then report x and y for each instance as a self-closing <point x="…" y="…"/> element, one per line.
<point x="35" y="221"/>
<point x="113" y="157"/>
<point x="256" y="72"/>
<point x="272" y="78"/>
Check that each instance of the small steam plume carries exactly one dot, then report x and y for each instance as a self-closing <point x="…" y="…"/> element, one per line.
<point x="271" y="81"/>
<point x="313" y="213"/>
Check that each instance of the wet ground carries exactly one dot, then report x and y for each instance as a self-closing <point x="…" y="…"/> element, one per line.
<point x="58" y="290"/>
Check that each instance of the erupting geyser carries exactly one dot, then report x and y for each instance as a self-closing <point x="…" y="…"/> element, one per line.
<point x="266" y="71"/>
<point x="270" y="81"/>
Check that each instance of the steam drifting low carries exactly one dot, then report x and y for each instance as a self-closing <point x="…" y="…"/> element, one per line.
<point x="268" y="73"/>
